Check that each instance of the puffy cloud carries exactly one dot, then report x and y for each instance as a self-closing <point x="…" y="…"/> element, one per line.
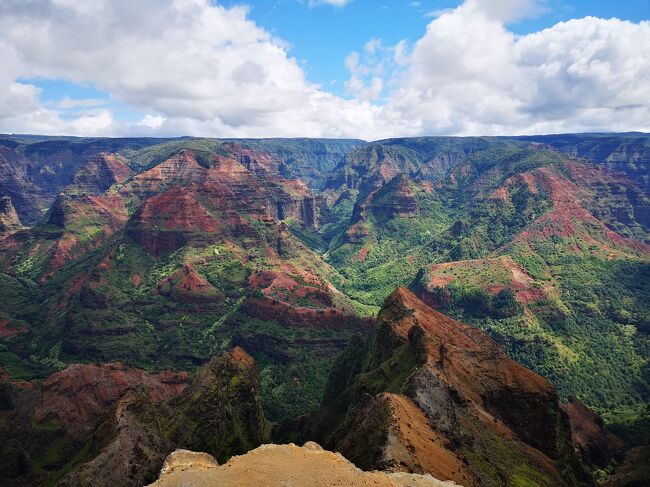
<point x="199" y="67"/>
<point x="470" y="75"/>
<point x="195" y="67"/>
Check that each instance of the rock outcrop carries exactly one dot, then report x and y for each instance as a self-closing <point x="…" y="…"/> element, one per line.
<point x="99" y="173"/>
<point x="171" y="220"/>
<point x="80" y="394"/>
<point x="427" y="394"/>
<point x="48" y="428"/>
<point x="9" y="220"/>
<point x="282" y="465"/>
<point x="220" y="412"/>
<point x="114" y="426"/>
<point x="188" y="286"/>
<point x="184" y="459"/>
<point x="597" y="446"/>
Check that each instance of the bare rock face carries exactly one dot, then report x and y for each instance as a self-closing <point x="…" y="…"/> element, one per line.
<point x="99" y="173"/>
<point x="282" y="465"/>
<point x="73" y="409"/>
<point x="187" y="286"/>
<point x="185" y="459"/>
<point x="80" y="394"/>
<point x="9" y="220"/>
<point x="170" y="221"/>
<point x="126" y="450"/>
<point x="397" y="198"/>
<point x="182" y="202"/>
<point x="427" y="394"/>
<point x="114" y="426"/>
<point x="588" y="432"/>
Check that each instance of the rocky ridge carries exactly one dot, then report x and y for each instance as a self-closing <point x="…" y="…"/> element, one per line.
<point x="426" y="387"/>
<point x="114" y="426"/>
<point x="281" y="465"/>
<point x="9" y="220"/>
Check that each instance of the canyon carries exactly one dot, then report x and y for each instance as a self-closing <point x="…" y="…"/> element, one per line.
<point x="467" y="309"/>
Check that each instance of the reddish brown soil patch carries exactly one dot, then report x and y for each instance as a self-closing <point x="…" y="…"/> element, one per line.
<point x="7" y="331"/>
<point x="83" y="392"/>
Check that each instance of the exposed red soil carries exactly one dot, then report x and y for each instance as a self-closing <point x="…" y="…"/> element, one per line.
<point x="356" y="233"/>
<point x="569" y="218"/>
<point x="402" y="201"/>
<point x="186" y="285"/>
<point x="7" y="331"/>
<point x="81" y="393"/>
<point x="293" y="285"/>
<point x="108" y="211"/>
<point x="464" y="387"/>
<point x="464" y="351"/>
<point x="239" y="356"/>
<point x="182" y="167"/>
<point x="441" y="275"/>
<point x="269" y="309"/>
<point x="363" y="253"/>
<point x="258" y="162"/>
<point x="588" y="432"/>
<point x="171" y="220"/>
<point x="119" y="170"/>
<point x="424" y="448"/>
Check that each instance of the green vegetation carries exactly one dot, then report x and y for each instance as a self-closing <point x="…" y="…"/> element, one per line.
<point x="114" y="301"/>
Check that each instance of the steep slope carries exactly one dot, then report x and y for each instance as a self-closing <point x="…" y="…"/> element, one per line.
<point x="219" y="412"/>
<point x="74" y="225"/>
<point x="311" y="160"/>
<point x="547" y="252"/>
<point x="428" y="394"/>
<point x="99" y="173"/>
<point x="46" y="429"/>
<point x="9" y="219"/>
<point x="561" y="293"/>
<point x="597" y="446"/>
<point x="34" y="170"/>
<point x="628" y="153"/>
<point x="108" y="425"/>
<point x="163" y="253"/>
<point x="164" y="269"/>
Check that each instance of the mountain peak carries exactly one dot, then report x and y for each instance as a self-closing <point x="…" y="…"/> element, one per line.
<point x="9" y="220"/>
<point x="420" y="366"/>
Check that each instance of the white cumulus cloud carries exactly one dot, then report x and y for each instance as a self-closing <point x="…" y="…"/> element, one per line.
<point x="193" y="67"/>
<point x="470" y="75"/>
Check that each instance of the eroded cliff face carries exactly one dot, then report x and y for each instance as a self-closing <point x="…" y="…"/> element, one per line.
<point x="109" y="425"/>
<point x="596" y="445"/>
<point x="428" y="394"/>
<point x="74" y="225"/>
<point x="99" y="173"/>
<point x="46" y="429"/>
<point x="9" y="220"/>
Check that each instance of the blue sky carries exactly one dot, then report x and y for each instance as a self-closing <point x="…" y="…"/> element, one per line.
<point x="322" y="36"/>
<point x="364" y="68"/>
